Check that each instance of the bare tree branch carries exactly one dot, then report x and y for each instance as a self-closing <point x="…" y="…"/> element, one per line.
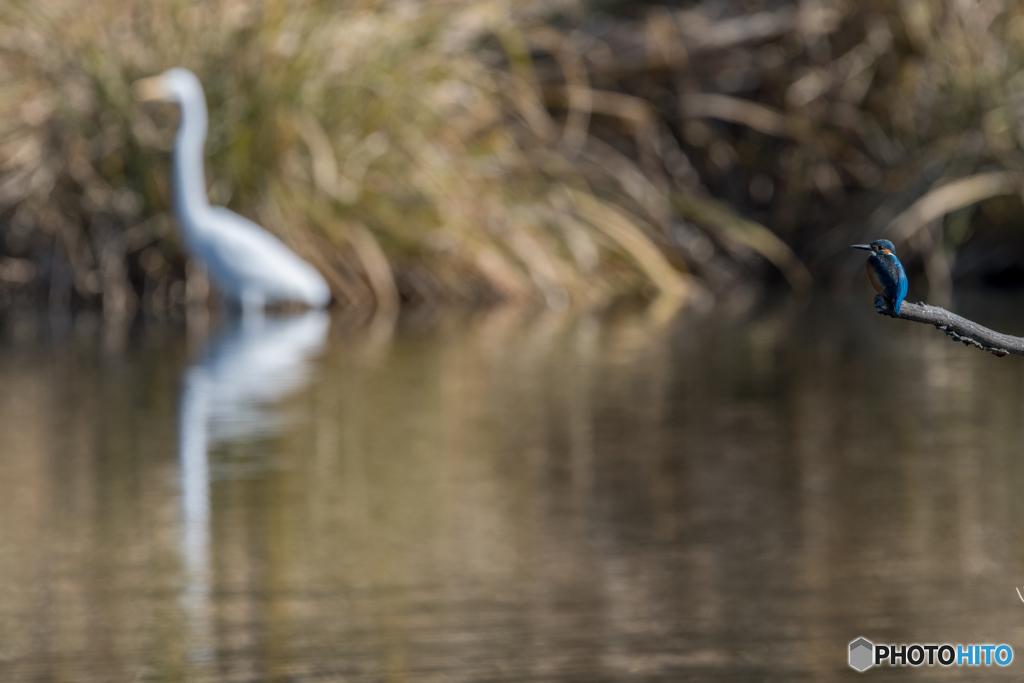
<point x="960" y="329"/>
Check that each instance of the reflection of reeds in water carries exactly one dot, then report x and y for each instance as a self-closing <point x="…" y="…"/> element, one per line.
<point x="523" y="495"/>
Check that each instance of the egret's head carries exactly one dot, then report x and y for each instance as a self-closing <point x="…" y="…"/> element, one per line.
<point x="883" y="247"/>
<point x="173" y="85"/>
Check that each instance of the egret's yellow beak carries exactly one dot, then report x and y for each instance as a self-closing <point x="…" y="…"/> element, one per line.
<point x="153" y="88"/>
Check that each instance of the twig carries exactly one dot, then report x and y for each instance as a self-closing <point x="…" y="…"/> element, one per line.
<point x="960" y="329"/>
<point x="744" y="112"/>
<point x="624" y="51"/>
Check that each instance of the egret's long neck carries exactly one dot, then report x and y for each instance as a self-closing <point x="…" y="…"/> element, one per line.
<point x="190" y="199"/>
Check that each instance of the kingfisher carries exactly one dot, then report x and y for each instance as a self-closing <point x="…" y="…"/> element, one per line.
<point x="886" y="272"/>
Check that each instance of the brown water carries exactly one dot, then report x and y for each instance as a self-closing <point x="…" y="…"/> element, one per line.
<point x="510" y="496"/>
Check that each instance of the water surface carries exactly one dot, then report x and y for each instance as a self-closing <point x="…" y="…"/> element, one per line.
<point x="506" y="496"/>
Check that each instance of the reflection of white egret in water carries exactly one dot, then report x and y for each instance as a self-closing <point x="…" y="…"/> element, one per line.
<point x="229" y="395"/>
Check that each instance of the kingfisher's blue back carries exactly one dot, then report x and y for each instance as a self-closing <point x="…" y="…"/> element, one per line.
<point x="886" y="272"/>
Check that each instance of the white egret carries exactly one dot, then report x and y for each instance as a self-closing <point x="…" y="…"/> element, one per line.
<point x="248" y="264"/>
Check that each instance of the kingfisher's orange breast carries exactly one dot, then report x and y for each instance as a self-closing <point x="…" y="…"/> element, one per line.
<point x="875" y="282"/>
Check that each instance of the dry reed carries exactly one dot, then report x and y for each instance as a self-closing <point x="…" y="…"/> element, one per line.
<point x="457" y="150"/>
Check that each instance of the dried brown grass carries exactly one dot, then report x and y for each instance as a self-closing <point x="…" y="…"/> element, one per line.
<point x="465" y="151"/>
<point x="372" y="137"/>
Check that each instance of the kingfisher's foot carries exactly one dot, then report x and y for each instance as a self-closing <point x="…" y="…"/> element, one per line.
<point x="883" y="304"/>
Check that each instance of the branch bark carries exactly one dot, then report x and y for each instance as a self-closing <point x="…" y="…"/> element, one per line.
<point x="958" y="328"/>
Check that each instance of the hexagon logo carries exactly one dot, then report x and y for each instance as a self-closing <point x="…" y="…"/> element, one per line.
<point x="862" y="654"/>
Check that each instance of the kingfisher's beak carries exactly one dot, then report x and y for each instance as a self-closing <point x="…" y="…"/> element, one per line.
<point x="149" y="89"/>
<point x="861" y="246"/>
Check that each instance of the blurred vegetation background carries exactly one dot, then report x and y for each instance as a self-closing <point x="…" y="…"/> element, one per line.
<point x="568" y="152"/>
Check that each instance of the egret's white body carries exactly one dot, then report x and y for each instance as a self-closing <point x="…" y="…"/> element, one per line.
<point x="248" y="264"/>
